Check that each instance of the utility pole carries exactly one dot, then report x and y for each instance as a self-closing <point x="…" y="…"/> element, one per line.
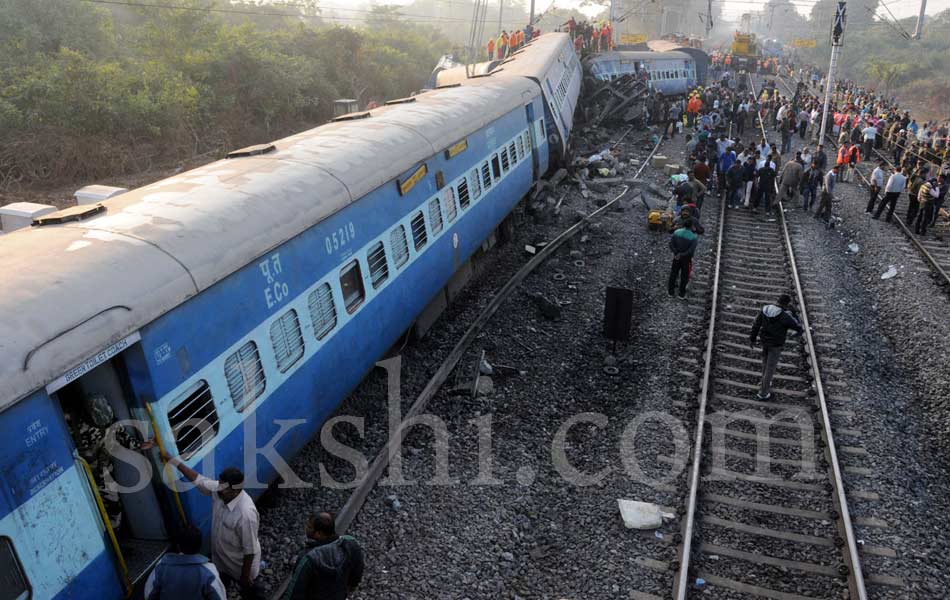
<point x="501" y="12"/>
<point x="920" y="20"/>
<point x="709" y="20"/>
<point x="837" y="35"/>
<point x="531" y="17"/>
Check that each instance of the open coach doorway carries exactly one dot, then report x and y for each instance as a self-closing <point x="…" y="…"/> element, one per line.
<point x="84" y="512"/>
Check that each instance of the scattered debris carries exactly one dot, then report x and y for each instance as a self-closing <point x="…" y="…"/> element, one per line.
<point x="853" y="248"/>
<point x="620" y="99"/>
<point x="890" y="272"/>
<point x="640" y="515"/>
<point x="392" y="501"/>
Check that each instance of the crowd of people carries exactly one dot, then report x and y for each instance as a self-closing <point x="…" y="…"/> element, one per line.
<point x="870" y="127"/>
<point x="586" y="37"/>
<point x="728" y="156"/>
<point x="590" y="37"/>
<point x="506" y="43"/>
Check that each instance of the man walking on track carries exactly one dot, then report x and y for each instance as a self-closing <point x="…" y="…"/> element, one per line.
<point x="896" y="184"/>
<point x="771" y="327"/>
<point x="683" y="244"/>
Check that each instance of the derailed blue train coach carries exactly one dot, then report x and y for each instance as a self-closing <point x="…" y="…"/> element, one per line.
<point x="238" y="304"/>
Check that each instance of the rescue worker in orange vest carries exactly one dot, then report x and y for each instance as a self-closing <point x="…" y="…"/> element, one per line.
<point x="502" y="45"/>
<point x="595" y="40"/>
<point x="491" y="48"/>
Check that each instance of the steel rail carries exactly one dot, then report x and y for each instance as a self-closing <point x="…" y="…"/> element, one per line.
<point x="928" y="257"/>
<point x="681" y="585"/>
<point x="357" y="498"/>
<point x="856" y="575"/>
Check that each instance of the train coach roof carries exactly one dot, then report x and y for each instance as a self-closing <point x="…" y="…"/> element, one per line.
<point x="71" y="290"/>
<point x="536" y="57"/>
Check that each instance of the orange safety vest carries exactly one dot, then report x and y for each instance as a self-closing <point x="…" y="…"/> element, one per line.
<point x="843" y="154"/>
<point x="491" y="46"/>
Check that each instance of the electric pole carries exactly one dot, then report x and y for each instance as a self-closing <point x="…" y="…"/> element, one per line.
<point x="501" y="12"/>
<point x="531" y="17"/>
<point x="837" y="35"/>
<point x="920" y="20"/>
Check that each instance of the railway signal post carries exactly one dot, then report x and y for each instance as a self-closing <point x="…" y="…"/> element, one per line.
<point x="837" y="35"/>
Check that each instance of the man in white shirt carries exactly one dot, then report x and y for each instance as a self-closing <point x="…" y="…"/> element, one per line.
<point x="764" y="148"/>
<point x="896" y="184"/>
<point x="870" y="133"/>
<point x="877" y="182"/>
<point x="235" y="547"/>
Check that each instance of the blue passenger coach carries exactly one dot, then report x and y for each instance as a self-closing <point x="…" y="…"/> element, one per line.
<point x="230" y="308"/>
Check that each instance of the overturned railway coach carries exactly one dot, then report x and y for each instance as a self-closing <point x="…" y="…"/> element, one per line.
<point x="672" y="73"/>
<point x="232" y="308"/>
<point x="551" y="62"/>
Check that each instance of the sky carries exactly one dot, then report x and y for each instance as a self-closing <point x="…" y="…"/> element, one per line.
<point x="732" y="8"/>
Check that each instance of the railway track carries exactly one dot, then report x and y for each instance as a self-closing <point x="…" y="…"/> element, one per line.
<point x="766" y="512"/>
<point x="935" y="251"/>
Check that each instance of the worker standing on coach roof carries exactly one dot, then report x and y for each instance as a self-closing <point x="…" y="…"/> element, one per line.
<point x="683" y="244"/>
<point x="235" y="547"/>
<point x="330" y="568"/>
<point x="771" y="327"/>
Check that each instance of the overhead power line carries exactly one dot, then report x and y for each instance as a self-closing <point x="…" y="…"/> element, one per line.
<point x="424" y="19"/>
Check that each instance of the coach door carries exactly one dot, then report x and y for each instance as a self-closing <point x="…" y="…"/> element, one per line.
<point x="99" y="406"/>
<point x="535" y="158"/>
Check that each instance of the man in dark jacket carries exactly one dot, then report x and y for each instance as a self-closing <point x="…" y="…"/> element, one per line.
<point x="734" y="183"/>
<point x="330" y="568"/>
<point x="771" y="326"/>
<point x="185" y="573"/>
<point x="683" y="245"/>
<point x="765" y="183"/>
<point x="820" y="158"/>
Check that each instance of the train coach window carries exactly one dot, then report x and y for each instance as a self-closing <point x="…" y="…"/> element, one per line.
<point x="322" y="310"/>
<point x="486" y="176"/>
<point x="520" y="153"/>
<point x="474" y="185"/>
<point x="448" y="197"/>
<point x="351" y="283"/>
<point x="378" y="269"/>
<point x="245" y="375"/>
<point x="419" y="236"/>
<point x="464" y="199"/>
<point x="527" y="140"/>
<point x="513" y="153"/>
<point x="435" y="216"/>
<point x="193" y="419"/>
<point x="287" y="340"/>
<point x="397" y="241"/>
<point x="495" y="166"/>
<point x="505" y="163"/>
<point x="15" y="584"/>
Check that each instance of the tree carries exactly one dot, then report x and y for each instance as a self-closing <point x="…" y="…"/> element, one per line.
<point x="885" y="73"/>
